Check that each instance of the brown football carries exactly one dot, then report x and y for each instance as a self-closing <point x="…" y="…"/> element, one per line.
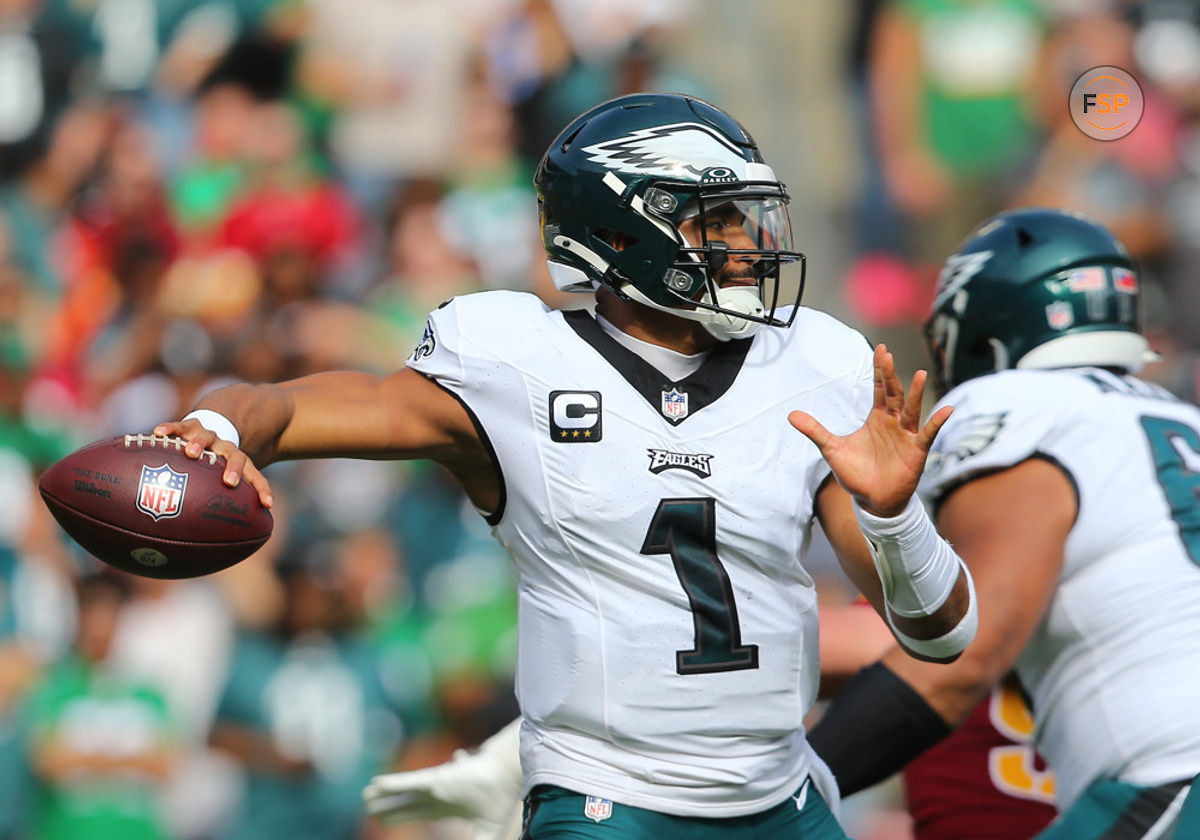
<point x="140" y="504"/>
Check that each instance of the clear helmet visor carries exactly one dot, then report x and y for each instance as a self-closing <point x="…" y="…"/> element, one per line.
<point x="758" y="223"/>
<point x="734" y="245"/>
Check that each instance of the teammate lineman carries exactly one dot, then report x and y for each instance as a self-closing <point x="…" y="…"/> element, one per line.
<point x="1071" y="489"/>
<point x="639" y="467"/>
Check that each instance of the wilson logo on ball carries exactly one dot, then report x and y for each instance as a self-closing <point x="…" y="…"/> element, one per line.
<point x="160" y="491"/>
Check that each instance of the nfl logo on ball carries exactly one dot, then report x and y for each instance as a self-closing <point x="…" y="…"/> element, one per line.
<point x="674" y="404"/>
<point x="160" y="491"/>
<point x="597" y="809"/>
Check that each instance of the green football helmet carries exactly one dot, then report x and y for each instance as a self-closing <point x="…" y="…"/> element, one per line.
<point x="616" y="185"/>
<point x="1035" y="288"/>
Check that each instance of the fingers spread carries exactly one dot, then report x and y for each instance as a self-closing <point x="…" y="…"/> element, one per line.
<point x="933" y="426"/>
<point x="237" y="464"/>
<point x="198" y="438"/>
<point x="910" y="417"/>
<point x="807" y="425"/>
<point x="892" y="386"/>
<point x="880" y="389"/>
<point x="259" y="482"/>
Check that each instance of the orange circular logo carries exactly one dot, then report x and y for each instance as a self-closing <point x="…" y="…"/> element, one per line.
<point x="1106" y="103"/>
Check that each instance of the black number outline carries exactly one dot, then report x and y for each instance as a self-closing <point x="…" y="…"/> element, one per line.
<point x="686" y="529"/>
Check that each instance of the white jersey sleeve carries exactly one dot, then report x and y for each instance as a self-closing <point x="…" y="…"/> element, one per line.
<point x="1111" y="667"/>
<point x="438" y="354"/>
<point x="502" y="329"/>
<point x="994" y="426"/>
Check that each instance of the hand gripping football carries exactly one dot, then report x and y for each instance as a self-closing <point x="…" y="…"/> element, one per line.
<point x="140" y="504"/>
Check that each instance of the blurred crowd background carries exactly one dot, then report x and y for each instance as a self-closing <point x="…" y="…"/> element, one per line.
<point x="194" y="192"/>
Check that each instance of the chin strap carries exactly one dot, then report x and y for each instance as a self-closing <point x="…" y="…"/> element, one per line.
<point x="726" y="327"/>
<point x="720" y="325"/>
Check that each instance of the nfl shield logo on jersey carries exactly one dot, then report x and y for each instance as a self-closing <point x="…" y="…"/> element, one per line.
<point x="595" y="808"/>
<point x="160" y="491"/>
<point x="674" y="404"/>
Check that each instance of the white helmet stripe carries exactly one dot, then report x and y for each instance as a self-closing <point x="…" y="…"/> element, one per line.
<point x="578" y="249"/>
<point x="615" y="184"/>
<point x="639" y="207"/>
<point x="759" y="172"/>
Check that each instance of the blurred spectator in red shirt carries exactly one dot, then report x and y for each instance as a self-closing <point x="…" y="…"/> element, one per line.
<point x="292" y="218"/>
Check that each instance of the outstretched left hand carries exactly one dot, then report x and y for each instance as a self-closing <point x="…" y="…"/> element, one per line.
<point x="880" y="463"/>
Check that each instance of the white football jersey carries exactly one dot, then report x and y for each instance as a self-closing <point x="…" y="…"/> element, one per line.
<point x="668" y="631"/>
<point x="1113" y="669"/>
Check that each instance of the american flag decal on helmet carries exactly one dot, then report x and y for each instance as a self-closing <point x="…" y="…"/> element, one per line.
<point x="1124" y="280"/>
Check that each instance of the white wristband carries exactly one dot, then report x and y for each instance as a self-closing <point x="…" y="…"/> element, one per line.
<point x="217" y="423"/>
<point x="951" y="643"/>
<point x="916" y="566"/>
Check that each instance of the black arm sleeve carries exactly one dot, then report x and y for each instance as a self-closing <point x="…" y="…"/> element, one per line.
<point x="876" y="725"/>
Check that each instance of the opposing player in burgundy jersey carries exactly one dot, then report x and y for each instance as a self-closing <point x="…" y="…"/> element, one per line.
<point x="985" y="781"/>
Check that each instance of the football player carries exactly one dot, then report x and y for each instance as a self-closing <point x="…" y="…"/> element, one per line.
<point x="639" y="466"/>
<point x="983" y="782"/>
<point x="1070" y="487"/>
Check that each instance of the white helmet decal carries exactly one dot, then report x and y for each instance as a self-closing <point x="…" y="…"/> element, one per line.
<point x="959" y="268"/>
<point x="681" y="150"/>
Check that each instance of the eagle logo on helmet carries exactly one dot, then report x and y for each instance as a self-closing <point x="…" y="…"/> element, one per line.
<point x="684" y="151"/>
<point x="957" y="272"/>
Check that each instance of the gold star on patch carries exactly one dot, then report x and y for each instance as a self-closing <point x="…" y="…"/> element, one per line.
<point x="575" y="433"/>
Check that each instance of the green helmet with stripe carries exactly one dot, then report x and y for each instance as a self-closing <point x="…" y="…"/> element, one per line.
<point x="617" y="182"/>
<point x="1036" y="288"/>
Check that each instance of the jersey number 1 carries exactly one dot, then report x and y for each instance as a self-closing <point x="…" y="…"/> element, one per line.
<point x="1178" y="474"/>
<point x="686" y="529"/>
